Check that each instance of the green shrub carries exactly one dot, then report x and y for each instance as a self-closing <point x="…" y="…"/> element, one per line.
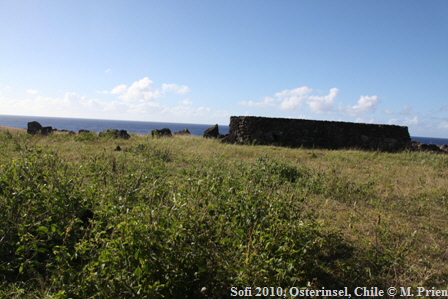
<point x="86" y="137"/>
<point x="175" y="223"/>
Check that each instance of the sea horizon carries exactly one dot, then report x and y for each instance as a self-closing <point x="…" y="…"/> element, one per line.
<point x="136" y="126"/>
<point x="98" y="125"/>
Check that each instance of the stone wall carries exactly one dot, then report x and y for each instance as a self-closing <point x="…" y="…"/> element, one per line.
<point x="317" y="134"/>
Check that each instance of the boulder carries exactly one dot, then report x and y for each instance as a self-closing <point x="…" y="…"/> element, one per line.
<point x="415" y="144"/>
<point x="165" y="132"/>
<point x="123" y="134"/>
<point x="117" y="149"/>
<point x="46" y="130"/>
<point x="83" y="131"/>
<point x="228" y="138"/>
<point x="34" y="127"/>
<point x="422" y="146"/>
<point x="433" y="147"/>
<point x="418" y="146"/>
<point x="182" y="132"/>
<point x="114" y="133"/>
<point x="212" y="132"/>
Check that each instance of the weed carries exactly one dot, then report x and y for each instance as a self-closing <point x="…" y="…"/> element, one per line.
<point x="190" y="217"/>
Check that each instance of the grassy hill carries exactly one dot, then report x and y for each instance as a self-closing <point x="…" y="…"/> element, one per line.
<point x="188" y="217"/>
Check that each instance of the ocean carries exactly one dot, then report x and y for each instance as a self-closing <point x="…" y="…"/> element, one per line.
<point x="98" y="125"/>
<point x="138" y="127"/>
<point x="430" y="140"/>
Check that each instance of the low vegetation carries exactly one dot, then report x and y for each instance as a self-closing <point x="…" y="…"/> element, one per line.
<point x="188" y="217"/>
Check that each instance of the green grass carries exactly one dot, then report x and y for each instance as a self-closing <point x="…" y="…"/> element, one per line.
<point x="188" y="217"/>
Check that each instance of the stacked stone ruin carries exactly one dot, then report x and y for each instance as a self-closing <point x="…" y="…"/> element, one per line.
<point x="317" y="134"/>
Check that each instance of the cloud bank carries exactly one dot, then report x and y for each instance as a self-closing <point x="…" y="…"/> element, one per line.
<point x="141" y="91"/>
<point x="293" y="99"/>
<point x="140" y="100"/>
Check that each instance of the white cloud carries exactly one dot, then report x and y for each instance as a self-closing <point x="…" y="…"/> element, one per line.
<point x="32" y="91"/>
<point x="393" y="121"/>
<point x="267" y="102"/>
<point x="365" y="120"/>
<point x="406" y="110"/>
<point x="288" y="99"/>
<point x="179" y="89"/>
<point x="443" y="125"/>
<point x="5" y="87"/>
<point x="137" y="101"/>
<point x="141" y="91"/>
<point x="119" y="89"/>
<point x="405" y="122"/>
<point x="186" y="102"/>
<point x="411" y="121"/>
<point x="321" y="104"/>
<point x="203" y="109"/>
<point x="293" y="98"/>
<point x="366" y="104"/>
<point x="300" y="91"/>
<point x="291" y="103"/>
<point x="387" y="111"/>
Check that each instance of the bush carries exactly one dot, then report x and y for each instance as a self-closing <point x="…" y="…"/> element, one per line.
<point x="169" y="221"/>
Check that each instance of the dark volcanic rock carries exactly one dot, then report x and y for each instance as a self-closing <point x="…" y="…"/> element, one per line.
<point x="433" y="147"/>
<point x="182" y="132"/>
<point x="228" y="138"/>
<point x="118" y="148"/>
<point x="34" y="127"/>
<point x="123" y="134"/>
<point x="212" y="132"/>
<point x="422" y="147"/>
<point x="418" y="146"/>
<point x="83" y="131"/>
<point x="114" y="133"/>
<point x="46" y="130"/>
<point x="415" y="145"/>
<point x="165" y="132"/>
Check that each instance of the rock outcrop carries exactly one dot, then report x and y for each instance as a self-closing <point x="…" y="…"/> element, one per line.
<point x="83" y="131"/>
<point x="34" y="128"/>
<point x="114" y="133"/>
<point x="212" y="132"/>
<point x="182" y="132"/>
<point x="46" y="130"/>
<point x="165" y="132"/>
<point x="423" y="147"/>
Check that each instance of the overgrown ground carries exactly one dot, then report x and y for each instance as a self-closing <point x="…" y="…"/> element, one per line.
<point x="188" y="217"/>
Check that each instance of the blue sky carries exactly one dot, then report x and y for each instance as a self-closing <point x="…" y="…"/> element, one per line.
<point x="193" y="61"/>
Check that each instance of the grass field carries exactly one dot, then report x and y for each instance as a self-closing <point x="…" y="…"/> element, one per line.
<point x="188" y="217"/>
